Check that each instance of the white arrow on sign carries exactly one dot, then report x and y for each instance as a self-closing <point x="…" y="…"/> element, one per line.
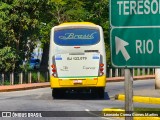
<point x="120" y="46"/>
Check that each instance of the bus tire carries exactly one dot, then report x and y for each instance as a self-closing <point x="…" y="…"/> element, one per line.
<point x="101" y="92"/>
<point x="57" y="93"/>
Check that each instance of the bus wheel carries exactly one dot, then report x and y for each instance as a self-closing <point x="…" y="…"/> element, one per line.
<point x="57" y="93"/>
<point x="101" y="92"/>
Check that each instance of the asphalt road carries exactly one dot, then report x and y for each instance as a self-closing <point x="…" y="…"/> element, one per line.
<point x="41" y="100"/>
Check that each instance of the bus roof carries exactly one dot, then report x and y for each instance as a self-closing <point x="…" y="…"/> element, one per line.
<point x="75" y="23"/>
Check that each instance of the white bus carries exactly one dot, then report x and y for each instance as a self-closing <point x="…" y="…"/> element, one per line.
<point x="77" y="58"/>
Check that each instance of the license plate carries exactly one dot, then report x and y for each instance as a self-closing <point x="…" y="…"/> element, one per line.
<point x="77" y="81"/>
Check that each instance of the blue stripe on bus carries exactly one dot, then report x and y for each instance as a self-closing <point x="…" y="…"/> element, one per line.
<point x="94" y="57"/>
<point x="58" y="58"/>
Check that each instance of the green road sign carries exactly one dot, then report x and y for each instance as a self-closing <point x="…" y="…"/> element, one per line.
<point x="135" y="47"/>
<point x="135" y="13"/>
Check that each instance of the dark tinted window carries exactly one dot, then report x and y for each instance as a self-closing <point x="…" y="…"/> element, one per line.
<point x="76" y="37"/>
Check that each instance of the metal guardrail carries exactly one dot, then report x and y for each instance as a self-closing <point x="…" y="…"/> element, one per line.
<point x="119" y="72"/>
<point x="24" y="77"/>
<point x="43" y="76"/>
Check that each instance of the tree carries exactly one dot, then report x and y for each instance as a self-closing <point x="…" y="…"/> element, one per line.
<point x="4" y="20"/>
<point x="20" y="23"/>
<point x="8" y="59"/>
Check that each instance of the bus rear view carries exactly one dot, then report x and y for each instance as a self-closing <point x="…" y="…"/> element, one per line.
<point x="77" y="59"/>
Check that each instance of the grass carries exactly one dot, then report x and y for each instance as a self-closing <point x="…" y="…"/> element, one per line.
<point x="144" y="110"/>
<point x="7" y="82"/>
<point x="150" y="110"/>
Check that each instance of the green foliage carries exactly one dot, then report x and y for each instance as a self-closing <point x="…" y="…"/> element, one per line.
<point x="25" y="67"/>
<point x="23" y="22"/>
<point x="20" y="26"/>
<point x="67" y="10"/>
<point x="147" y="110"/>
<point x="35" y="77"/>
<point x="7" y="82"/>
<point x="108" y="54"/>
<point x="42" y="78"/>
<point x="8" y="59"/>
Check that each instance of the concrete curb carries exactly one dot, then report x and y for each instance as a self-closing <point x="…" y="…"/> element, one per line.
<point x="141" y="99"/>
<point x="121" y="114"/>
<point x="119" y="79"/>
<point x="9" y="88"/>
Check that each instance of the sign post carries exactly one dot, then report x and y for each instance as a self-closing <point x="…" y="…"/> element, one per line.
<point x="128" y="93"/>
<point x="157" y="78"/>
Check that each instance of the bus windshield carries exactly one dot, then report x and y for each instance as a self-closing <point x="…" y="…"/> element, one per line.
<point x="76" y="36"/>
